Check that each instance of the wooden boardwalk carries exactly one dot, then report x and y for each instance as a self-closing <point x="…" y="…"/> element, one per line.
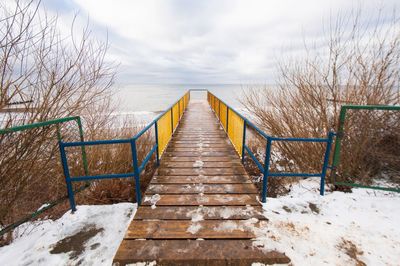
<point x="200" y="207"/>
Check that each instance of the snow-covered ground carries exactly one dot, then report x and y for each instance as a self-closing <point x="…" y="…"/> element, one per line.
<point x="93" y="233"/>
<point x="339" y="228"/>
<point x="356" y="228"/>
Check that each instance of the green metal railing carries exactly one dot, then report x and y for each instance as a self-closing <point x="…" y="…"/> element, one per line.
<point x="339" y="138"/>
<point x="53" y="203"/>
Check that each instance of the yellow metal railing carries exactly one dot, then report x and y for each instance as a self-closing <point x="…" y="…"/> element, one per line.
<point x="169" y="121"/>
<point x="232" y="122"/>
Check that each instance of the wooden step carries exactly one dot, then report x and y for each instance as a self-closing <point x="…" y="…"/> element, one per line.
<point x="201" y="188"/>
<point x="233" y="179"/>
<point x="206" y="212"/>
<point x="184" y="229"/>
<point x="200" y="171"/>
<point x="197" y="154"/>
<point x="200" y="164"/>
<point x="205" y="200"/>
<point x="232" y="158"/>
<point x="197" y="252"/>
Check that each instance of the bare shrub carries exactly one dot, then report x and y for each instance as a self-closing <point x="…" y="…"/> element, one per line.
<point x="45" y="75"/>
<point x="359" y="66"/>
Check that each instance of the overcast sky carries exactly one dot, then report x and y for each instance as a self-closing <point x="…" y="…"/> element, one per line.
<point x="206" y="41"/>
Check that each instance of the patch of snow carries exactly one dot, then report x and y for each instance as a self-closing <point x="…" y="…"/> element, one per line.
<point x="196" y="215"/>
<point x="227" y="226"/>
<point x="242" y="225"/>
<point x="153" y="200"/>
<point x="43" y="206"/>
<point x="198" y="163"/>
<point x="194" y="228"/>
<point x="34" y="240"/>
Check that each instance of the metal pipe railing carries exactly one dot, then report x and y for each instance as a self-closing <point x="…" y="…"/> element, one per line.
<point x="137" y="169"/>
<point x="265" y="169"/>
<point x="57" y="201"/>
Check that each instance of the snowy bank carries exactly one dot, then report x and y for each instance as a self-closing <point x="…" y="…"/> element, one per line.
<point x="356" y="228"/>
<point x="90" y="236"/>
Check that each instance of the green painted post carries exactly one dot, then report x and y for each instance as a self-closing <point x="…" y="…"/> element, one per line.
<point x="336" y="154"/>
<point x="83" y="150"/>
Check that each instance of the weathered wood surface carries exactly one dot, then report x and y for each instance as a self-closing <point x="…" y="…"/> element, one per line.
<point x="200" y="207"/>
<point x="207" y="252"/>
<point x="201" y="188"/>
<point x="207" y="212"/>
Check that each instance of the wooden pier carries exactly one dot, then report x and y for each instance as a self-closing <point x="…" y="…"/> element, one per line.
<point x="201" y="207"/>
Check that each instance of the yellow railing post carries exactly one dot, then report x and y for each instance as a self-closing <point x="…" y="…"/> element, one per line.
<point x="169" y="121"/>
<point x="230" y="121"/>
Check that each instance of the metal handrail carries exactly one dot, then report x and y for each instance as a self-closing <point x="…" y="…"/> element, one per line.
<point x="266" y="168"/>
<point x="137" y="169"/>
<point x="59" y="137"/>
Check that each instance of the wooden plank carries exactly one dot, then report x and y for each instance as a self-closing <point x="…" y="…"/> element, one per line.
<point x="196" y="252"/>
<point x="233" y="179"/>
<point x="200" y="171"/>
<point x="200" y="149"/>
<point x="205" y="200"/>
<point x="194" y="159"/>
<point x="188" y="135"/>
<point x="196" y="154"/>
<point x="201" y="188"/>
<point x="200" y="138"/>
<point x="198" y="145"/>
<point x="205" y="212"/>
<point x="200" y="164"/>
<point x="205" y="133"/>
<point x="205" y="142"/>
<point x="183" y="229"/>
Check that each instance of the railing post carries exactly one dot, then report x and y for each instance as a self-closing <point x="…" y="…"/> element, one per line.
<point x="244" y="139"/>
<point x="84" y="159"/>
<point x="172" y="120"/>
<point x="227" y="119"/>
<point x="156" y="133"/>
<point x="266" y="170"/>
<point x="219" y="110"/>
<point x="326" y="162"/>
<point x="136" y="172"/>
<point x="70" y="190"/>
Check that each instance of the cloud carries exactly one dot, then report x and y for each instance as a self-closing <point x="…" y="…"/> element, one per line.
<point x="208" y="41"/>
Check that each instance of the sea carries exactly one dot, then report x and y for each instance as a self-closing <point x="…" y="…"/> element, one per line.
<point x="145" y="101"/>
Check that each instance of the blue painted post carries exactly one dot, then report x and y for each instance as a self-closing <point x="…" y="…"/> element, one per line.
<point x="266" y="170"/>
<point x="70" y="190"/>
<point x="156" y="133"/>
<point x="244" y="139"/>
<point x="326" y="162"/>
<point x="136" y="172"/>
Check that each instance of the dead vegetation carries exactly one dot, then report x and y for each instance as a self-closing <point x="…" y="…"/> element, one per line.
<point x="358" y="66"/>
<point x="46" y="75"/>
<point x="352" y="251"/>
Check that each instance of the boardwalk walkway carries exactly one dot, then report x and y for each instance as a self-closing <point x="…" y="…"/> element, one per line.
<point x="200" y="207"/>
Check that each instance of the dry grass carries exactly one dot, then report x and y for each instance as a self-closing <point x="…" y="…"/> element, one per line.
<point x="352" y="251"/>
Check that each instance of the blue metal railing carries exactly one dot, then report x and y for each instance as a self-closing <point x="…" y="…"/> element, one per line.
<point x="265" y="170"/>
<point x="137" y="169"/>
